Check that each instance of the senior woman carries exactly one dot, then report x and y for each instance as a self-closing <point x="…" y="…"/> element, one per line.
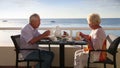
<point x="96" y="40"/>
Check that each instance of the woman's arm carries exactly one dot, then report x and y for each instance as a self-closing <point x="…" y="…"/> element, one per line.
<point x="88" y="39"/>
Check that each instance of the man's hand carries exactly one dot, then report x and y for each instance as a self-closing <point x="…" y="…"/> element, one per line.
<point x="46" y="33"/>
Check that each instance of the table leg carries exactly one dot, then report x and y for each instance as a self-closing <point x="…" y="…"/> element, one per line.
<point x="61" y="58"/>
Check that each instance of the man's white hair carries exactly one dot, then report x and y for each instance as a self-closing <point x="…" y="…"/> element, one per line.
<point x="94" y="19"/>
<point x="34" y="17"/>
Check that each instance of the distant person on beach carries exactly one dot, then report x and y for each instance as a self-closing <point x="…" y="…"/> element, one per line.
<point x="96" y="40"/>
<point x="29" y="37"/>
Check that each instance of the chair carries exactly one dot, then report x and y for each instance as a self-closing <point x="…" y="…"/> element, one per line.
<point x="16" y="41"/>
<point x="111" y="50"/>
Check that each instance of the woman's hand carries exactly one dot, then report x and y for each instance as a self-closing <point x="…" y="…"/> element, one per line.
<point x="86" y="37"/>
<point x="81" y="34"/>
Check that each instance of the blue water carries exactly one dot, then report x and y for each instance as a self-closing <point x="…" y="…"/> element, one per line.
<point x="72" y="22"/>
<point x="105" y="22"/>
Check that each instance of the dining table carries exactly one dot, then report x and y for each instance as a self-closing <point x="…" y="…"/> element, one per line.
<point x="61" y="44"/>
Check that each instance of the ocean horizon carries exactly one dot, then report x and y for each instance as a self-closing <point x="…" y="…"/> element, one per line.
<point x="62" y="22"/>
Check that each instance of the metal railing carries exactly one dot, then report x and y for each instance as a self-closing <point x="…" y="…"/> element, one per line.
<point x="71" y="29"/>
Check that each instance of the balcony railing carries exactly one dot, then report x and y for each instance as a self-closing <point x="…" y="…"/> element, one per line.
<point x="71" y="29"/>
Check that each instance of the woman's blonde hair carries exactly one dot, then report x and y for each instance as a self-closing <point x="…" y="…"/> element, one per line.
<point x="94" y="19"/>
<point x="33" y="17"/>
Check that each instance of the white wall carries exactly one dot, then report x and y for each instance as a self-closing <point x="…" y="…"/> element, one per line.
<point x="7" y="57"/>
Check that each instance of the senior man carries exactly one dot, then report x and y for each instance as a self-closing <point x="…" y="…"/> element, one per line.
<point x="29" y="37"/>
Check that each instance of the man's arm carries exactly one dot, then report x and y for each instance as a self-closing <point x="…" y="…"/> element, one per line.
<point x="41" y="36"/>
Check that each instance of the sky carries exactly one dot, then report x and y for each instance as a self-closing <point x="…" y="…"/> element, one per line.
<point x="59" y="8"/>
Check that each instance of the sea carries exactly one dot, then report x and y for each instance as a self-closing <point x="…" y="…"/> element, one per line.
<point x="53" y="22"/>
